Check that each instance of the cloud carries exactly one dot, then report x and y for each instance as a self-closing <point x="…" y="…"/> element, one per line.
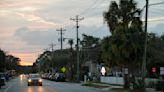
<point x="33" y="18"/>
<point x="36" y="37"/>
<point x="159" y="29"/>
<point x="30" y="25"/>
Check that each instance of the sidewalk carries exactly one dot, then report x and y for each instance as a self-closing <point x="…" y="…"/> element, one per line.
<point x="115" y="88"/>
<point x="152" y="90"/>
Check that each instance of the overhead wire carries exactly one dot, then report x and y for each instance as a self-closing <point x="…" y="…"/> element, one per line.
<point x="86" y="10"/>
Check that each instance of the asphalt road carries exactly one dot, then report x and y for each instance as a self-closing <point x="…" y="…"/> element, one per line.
<point x="20" y="85"/>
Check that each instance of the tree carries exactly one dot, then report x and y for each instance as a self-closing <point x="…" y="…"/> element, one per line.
<point x="89" y="41"/>
<point x="122" y="13"/>
<point x="2" y="60"/>
<point x="125" y="46"/>
<point x="12" y="62"/>
<point x="70" y="42"/>
<point x="155" y="50"/>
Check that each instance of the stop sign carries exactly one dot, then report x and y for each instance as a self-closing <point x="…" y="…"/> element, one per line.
<point x="154" y="69"/>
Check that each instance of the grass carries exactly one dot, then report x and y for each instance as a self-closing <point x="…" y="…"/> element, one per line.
<point x="109" y="84"/>
<point x="121" y="89"/>
<point x="94" y="85"/>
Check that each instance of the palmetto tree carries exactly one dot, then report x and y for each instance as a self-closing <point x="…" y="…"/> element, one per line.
<point x="122" y="13"/>
<point x="70" y="42"/>
<point x="125" y="45"/>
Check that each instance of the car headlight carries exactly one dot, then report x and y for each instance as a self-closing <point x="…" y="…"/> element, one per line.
<point x="29" y="80"/>
<point x="40" y="80"/>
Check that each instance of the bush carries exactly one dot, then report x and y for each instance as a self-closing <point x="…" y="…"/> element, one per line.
<point x="151" y="85"/>
<point x="138" y="86"/>
<point x="160" y="85"/>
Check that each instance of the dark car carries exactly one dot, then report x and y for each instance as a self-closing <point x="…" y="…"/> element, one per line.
<point x="2" y="79"/>
<point x="34" y="79"/>
<point x="60" y="77"/>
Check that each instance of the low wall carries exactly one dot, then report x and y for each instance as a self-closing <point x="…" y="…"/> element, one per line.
<point x="112" y="80"/>
<point x="120" y="80"/>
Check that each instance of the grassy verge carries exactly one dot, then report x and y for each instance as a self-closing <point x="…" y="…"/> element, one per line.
<point x="121" y="89"/>
<point x="94" y="85"/>
<point x="109" y="84"/>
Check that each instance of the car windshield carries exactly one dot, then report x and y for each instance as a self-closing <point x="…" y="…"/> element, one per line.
<point x="34" y="76"/>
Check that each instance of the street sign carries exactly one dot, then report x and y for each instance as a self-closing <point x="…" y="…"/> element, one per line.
<point x="161" y="70"/>
<point x="63" y="69"/>
<point x="126" y="70"/>
<point x="103" y="71"/>
<point x="154" y="70"/>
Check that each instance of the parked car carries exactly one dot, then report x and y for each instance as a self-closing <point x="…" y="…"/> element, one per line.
<point x="53" y="77"/>
<point x="34" y="79"/>
<point x="60" y="77"/>
<point x="2" y="79"/>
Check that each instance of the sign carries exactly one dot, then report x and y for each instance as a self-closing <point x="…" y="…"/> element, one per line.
<point x="161" y="70"/>
<point x="154" y="70"/>
<point x="103" y="71"/>
<point x="63" y="69"/>
<point x="126" y="70"/>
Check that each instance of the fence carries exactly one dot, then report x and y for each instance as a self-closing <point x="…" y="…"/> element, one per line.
<point x="120" y="80"/>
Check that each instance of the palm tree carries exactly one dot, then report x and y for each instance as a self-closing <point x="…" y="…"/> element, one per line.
<point x="70" y="42"/>
<point x="122" y="13"/>
<point x="125" y="46"/>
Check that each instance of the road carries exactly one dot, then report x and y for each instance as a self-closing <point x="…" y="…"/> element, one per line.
<point x="20" y="85"/>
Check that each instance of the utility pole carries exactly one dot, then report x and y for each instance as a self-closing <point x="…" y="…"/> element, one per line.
<point x="145" y="49"/>
<point x="52" y="48"/>
<point x="77" y="19"/>
<point x="61" y="36"/>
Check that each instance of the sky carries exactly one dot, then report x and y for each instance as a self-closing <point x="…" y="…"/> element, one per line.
<point x="28" y="27"/>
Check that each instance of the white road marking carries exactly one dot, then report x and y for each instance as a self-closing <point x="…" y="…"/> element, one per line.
<point x="9" y="87"/>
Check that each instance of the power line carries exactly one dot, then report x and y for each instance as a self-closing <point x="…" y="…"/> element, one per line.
<point x="159" y="3"/>
<point x="88" y="8"/>
<point x="92" y="7"/>
<point x="157" y="12"/>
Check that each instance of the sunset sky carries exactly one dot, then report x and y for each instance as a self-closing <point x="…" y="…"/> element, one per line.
<point x="28" y="27"/>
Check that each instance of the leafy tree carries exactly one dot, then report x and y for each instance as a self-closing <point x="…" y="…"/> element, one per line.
<point x="155" y="50"/>
<point x="89" y="41"/>
<point x="2" y="60"/>
<point x="12" y="62"/>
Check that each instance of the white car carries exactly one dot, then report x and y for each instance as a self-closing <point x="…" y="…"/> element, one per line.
<point x="34" y="79"/>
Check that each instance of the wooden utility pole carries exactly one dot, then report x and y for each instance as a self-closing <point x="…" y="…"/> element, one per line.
<point x="145" y="49"/>
<point x="61" y="36"/>
<point x="77" y="19"/>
